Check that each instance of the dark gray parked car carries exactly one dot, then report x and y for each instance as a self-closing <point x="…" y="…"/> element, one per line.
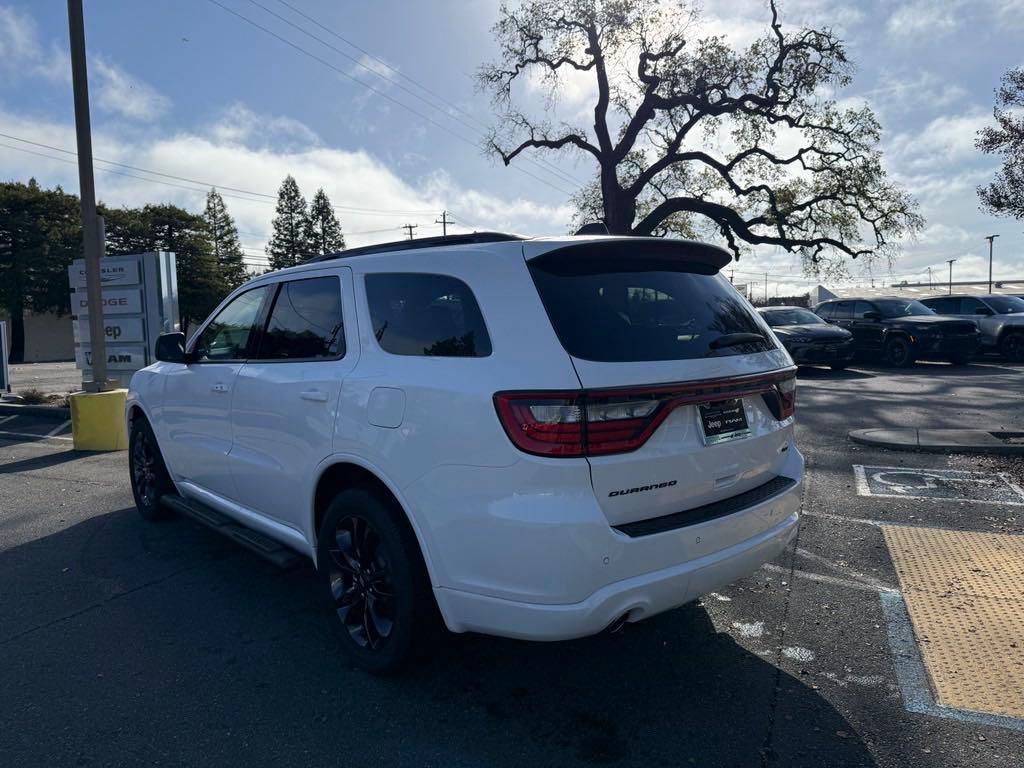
<point x="1000" y="320"/>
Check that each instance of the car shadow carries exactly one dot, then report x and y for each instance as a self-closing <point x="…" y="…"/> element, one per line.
<point x="54" y="459"/>
<point x="124" y="627"/>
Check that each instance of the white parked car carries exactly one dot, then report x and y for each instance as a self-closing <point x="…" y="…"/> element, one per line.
<point x="533" y="438"/>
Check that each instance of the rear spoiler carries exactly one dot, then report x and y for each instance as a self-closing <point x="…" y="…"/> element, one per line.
<point x="634" y="254"/>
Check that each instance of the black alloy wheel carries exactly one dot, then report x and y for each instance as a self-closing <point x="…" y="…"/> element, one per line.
<point x="1012" y="346"/>
<point x="375" y="582"/>
<point x="149" y="477"/>
<point x="361" y="583"/>
<point x="898" y="352"/>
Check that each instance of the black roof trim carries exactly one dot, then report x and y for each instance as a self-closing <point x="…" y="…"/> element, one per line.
<point x="415" y="245"/>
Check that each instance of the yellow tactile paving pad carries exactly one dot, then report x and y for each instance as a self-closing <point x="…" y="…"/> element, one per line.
<point x="965" y="595"/>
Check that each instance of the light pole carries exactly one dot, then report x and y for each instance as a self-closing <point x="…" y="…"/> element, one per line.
<point x="990" y="238"/>
<point x="950" y="262"/>
<point x="91" y="235"/>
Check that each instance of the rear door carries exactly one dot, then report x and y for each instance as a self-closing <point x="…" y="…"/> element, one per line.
<point x="286" y="396"/>
<point x="673" y="363"/>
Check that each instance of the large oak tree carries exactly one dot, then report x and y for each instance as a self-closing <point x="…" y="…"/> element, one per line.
<point x="690" y="134"/>
<point x="1004" y="196"/>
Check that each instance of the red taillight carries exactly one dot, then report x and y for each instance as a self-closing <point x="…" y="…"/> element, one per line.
<point x="786" y="389"/>
<point x="598" y="423"/>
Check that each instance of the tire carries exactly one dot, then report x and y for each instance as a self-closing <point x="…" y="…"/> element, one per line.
<point x="898" y="352"/>
<point x="374" y="581"/>
<point x="1011" y="346"/>
<point x="149" y="477"/>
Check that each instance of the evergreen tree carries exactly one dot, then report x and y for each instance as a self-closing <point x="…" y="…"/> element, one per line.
<point x="40" y="234"/>
<point x="323" y="231"/>
<point x="167" y="227"/>
<point x="227" y="250"/>
<point x="288" y="245"/>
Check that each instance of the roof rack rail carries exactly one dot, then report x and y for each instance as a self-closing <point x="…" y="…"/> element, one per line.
<point x="413" y="245"/>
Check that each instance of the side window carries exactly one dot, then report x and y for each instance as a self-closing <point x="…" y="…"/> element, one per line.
<point x="421" y="314"/>
<point x="944" y="306"/>
<point x="305" y="322"/>
<point x="842" y="310"/>
<point x="968" y="305"/>
<point x="227" y="336"/>
<point x="860" y="308"/>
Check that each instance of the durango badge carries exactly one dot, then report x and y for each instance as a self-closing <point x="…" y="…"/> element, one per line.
<point x="655" y="486"/>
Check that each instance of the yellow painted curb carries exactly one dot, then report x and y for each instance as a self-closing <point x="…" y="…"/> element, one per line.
<point x="97" y="420"/>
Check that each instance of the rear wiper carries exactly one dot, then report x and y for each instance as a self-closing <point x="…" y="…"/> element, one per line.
<point x="735" y="339"/>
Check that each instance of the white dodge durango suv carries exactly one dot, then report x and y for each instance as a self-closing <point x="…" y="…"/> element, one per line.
<point x="534" y="438"/>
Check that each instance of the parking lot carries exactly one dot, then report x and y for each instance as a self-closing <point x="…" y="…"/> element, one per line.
<point x="130" y="643"/>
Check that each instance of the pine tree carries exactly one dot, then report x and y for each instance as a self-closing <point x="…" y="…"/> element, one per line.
<point x="227" y="250"/>
<point x="323" y="231"/>
<point x="288" y="245"/>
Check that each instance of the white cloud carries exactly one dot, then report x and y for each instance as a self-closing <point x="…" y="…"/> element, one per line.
<point x="945" y="142"/>
<point x="120" y="93"/>
<point x="924" y="18"/>
<point x="22" y="54"/>
<point x="373" y="201"/>
<point x="239" y="125"/>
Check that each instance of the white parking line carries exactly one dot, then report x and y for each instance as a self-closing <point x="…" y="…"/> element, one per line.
<point x="36" y="437"/>
<point x="60" y="428"/>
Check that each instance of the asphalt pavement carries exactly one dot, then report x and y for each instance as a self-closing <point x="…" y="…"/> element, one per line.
<point x="133" y="643"/>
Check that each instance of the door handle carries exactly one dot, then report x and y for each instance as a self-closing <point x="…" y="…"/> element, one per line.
<point x="219" y="387"/>
<point x="314" y="395"/>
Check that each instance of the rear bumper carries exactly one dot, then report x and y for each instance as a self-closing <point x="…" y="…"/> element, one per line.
<point x="637" y="597"/>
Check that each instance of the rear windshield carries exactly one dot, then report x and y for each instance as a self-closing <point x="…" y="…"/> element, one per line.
<point x="780" y="317"/>
<point x="629" y="309"/>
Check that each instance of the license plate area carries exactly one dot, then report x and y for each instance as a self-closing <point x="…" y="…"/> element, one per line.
<point x="723" y="421"/>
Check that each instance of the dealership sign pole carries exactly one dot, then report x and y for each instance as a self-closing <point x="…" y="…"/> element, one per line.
<point x="90" y="221"/>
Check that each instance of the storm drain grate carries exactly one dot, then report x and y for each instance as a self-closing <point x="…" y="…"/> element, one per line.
<point x="965" y="595"/>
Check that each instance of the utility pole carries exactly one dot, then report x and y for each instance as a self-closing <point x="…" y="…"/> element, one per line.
<point x="990" y="239"/>
<point x="929" y="277"/>
<point x="731" y="272"/>
<point x="409" y="228"/>
<point x="443" y="222"/>
<point x="950" y="262"/>
<point x="766" y="289"/>
<point x="92" y="239"/>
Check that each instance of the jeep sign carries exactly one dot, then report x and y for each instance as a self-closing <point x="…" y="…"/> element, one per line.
<point x="117" y="330"/>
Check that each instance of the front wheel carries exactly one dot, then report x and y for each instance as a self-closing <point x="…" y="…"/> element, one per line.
<point x="1012" y="347"/>
<point x="899" y="352"/>
<point x="374" y="581"/>
<point x="150" y="480"/>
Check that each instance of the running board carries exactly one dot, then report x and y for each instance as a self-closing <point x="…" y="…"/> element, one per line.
<point x="264" y="546"/>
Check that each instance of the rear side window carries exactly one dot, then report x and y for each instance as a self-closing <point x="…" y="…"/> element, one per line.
<point x="426" y="315"/>
<point x="944" y="306"/>
<point x="305" y="322"/>
<point x="631" y="308"/>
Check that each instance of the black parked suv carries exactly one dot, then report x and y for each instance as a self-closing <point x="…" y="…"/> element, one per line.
<point x="902" y="330"/>
<point x="809" y="339"/>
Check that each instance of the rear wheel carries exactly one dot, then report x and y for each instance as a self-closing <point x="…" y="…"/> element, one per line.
<point x="150" y="480"/>
<point x="1012" y="346"/>
<point x="899" y="352"/>
<point x="374" y="581"/>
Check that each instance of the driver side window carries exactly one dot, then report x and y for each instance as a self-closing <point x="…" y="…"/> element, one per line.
<point x="227" y="336"/>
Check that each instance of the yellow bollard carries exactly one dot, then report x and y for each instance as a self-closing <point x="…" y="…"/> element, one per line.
<point x="97" y="420"/>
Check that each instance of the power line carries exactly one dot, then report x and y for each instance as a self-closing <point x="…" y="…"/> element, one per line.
<point x="409" y="228"/>
<point x="551" y="167"/>
<point x="370" y="87"/>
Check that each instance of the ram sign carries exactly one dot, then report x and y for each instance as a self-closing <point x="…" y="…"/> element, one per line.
<point x="140" y="301"/>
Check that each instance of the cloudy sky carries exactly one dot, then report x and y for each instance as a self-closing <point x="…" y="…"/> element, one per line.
<point x="375" y="102"/>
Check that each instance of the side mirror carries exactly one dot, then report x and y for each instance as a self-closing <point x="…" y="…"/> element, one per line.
<point x="872" y="315"/>
<point x="170" y="348"/>
<point x="983" y="311"/>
